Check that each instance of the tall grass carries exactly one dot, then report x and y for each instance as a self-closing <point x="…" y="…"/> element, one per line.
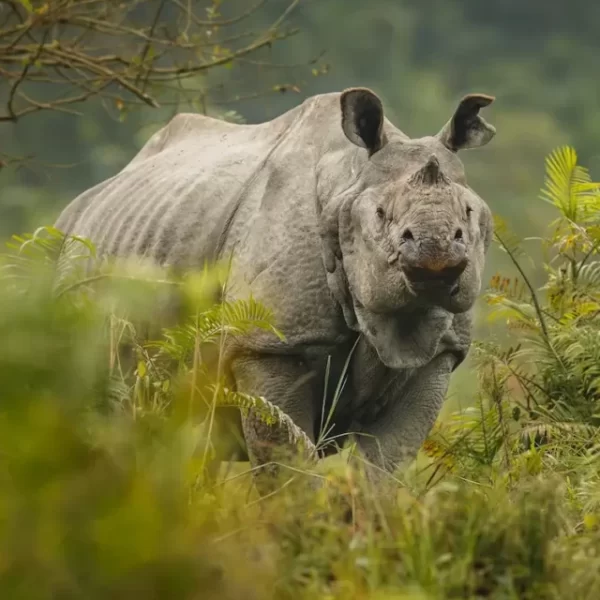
<point x="108" y="442"/>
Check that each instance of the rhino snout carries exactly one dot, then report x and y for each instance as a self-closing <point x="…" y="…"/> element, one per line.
<point x="433" y="259"/>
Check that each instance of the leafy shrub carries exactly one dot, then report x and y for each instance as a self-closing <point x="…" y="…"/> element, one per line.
<point x="543" y="386"/>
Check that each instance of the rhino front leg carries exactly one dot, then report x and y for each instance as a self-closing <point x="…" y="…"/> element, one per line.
<point x="287" y="383"/>
<point x="395" y="438"/>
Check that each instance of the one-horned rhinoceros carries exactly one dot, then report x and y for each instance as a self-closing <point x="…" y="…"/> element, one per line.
<point x="356" y="236"/>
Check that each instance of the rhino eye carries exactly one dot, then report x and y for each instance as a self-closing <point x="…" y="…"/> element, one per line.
<point x="380" y="212"/>
<point x="469" y="211"/>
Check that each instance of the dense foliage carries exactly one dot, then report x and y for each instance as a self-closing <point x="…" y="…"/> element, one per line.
<point x="109" y="485"/>
<point x="106" y="485"/>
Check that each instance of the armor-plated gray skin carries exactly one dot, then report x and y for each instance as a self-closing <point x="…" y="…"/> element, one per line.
<point x="342" y="225"/>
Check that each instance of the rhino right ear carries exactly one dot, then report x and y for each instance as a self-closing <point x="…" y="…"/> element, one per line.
<point x="466" y="129"/>
<point x="362" y="118"/>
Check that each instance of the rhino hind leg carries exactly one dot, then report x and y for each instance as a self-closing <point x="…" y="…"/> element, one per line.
<point x="288" y="384"/>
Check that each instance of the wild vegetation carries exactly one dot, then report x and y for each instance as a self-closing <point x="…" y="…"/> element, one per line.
<point x="109" y="485"/>
<point x="107" y="478"/>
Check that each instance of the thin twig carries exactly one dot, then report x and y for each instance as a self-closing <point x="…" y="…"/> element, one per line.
<point x="28" y="55"/>
<point x="534" y="298"/>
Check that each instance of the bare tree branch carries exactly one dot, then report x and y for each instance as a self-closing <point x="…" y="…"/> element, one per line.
<point x="58" y="53"/>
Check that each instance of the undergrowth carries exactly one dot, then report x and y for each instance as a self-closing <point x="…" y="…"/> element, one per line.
<point x="108" y="441"/>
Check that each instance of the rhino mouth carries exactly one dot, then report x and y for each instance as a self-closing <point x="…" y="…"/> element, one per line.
<point x="445" y="281"/>
<point x="420" y="288"/>
<point x="447" y="275"/>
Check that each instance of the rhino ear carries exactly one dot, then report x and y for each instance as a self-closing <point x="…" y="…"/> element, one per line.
<point x="362" y="118"/>
<point x="466" y="129"/>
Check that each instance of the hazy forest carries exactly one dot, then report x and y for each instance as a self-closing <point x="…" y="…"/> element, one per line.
<point x="107" y="485"/>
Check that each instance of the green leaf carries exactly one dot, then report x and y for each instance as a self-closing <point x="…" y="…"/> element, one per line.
<point x="141" y="369"/>
<point x="565" y="181"/>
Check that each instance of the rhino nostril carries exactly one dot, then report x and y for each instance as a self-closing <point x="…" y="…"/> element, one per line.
<point x="459" y="234"/>
<point x="407" y="235"/>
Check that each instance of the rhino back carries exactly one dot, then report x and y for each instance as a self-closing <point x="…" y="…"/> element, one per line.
<point x="205" y="189"/>
<point x="168" y="202"/>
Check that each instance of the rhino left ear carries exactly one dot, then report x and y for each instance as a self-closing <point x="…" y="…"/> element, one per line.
<point x="466" y="129"/>
<point x="362" y="118"/>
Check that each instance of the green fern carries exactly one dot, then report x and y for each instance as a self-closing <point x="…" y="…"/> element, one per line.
<point x="47" y="253"/>
<point x="554" y="358"/>
<point x="566" y="184"/>
<point x="268" y="413"/>
<point x="142" y="388"/>
<point x="506" y="238"/>
<point x="226" y="319"/>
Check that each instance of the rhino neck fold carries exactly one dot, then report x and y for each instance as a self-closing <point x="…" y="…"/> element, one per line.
<point x="338" y="173"/>
<point x="405" y="340"/>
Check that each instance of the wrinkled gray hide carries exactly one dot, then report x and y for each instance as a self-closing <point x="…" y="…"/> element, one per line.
<point x="342" y="225"/>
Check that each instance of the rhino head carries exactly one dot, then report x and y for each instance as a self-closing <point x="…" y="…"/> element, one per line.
<point x="410" y="235"/>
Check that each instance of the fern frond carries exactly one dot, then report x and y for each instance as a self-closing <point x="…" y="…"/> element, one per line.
<point x="229" y="318"/>
<point x="589" y="275"/>
<point x="241" y="316"/>
<point x="509" y="242"/>
<point x="268" y="413"/>
<point x="46" y="253"/>
<point x="565" y="182"/>
<point x="474" y="434"/>
<point x="547" y="433"/>
<point x="504" y="308"/>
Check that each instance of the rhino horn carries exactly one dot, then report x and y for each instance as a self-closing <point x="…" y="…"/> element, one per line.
<point x="430" y="174"/>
